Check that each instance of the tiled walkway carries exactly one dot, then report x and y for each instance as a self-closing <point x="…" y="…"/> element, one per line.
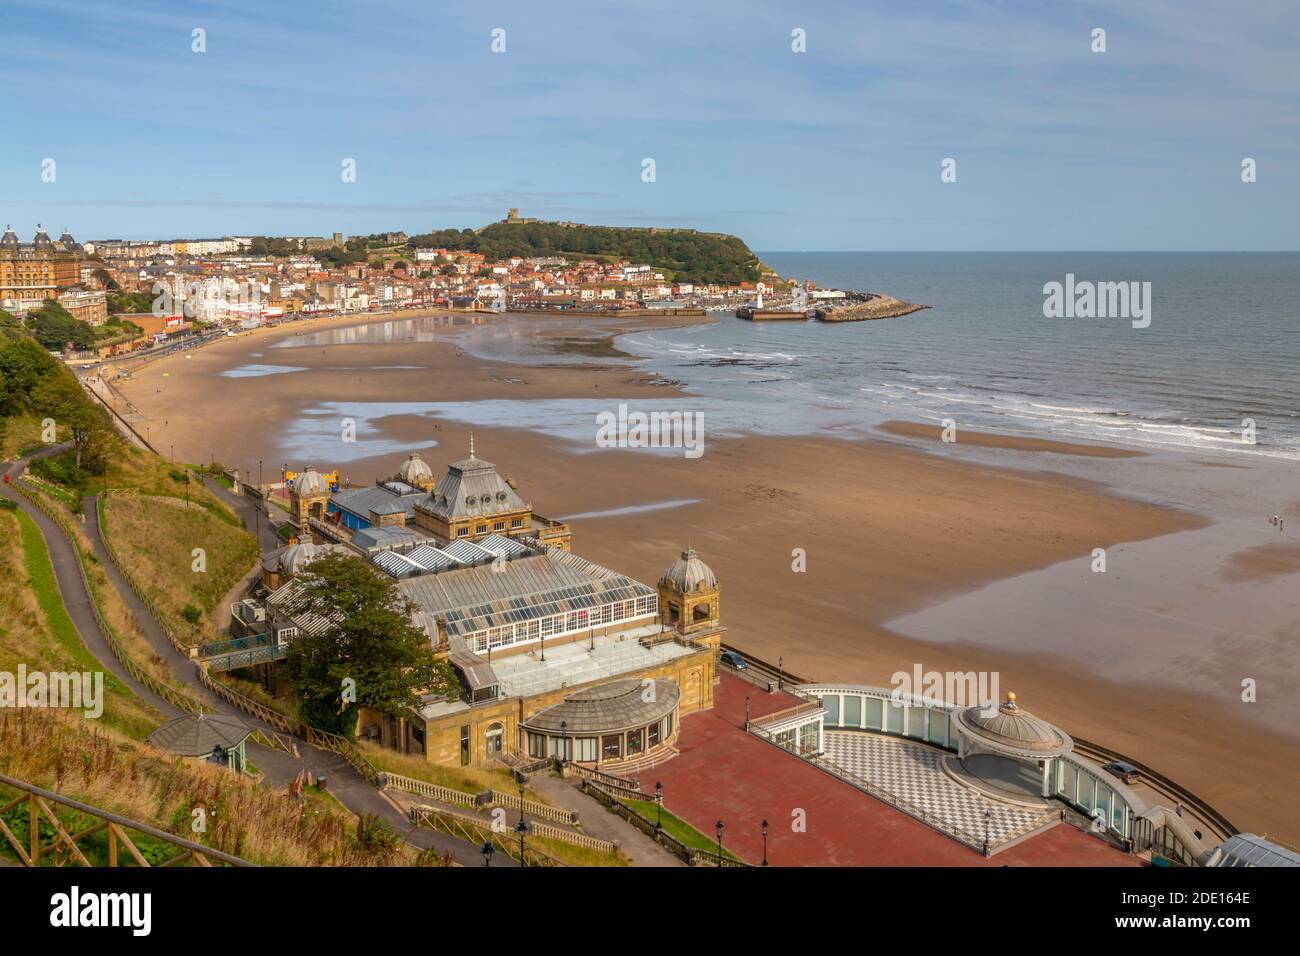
<point x="912" y="773"/>
<point x="815" y="819"/>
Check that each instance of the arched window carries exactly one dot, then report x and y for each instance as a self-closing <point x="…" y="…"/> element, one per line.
<point x="494" y="739"/>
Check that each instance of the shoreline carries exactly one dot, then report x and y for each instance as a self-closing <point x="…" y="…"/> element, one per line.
<point x="889" y="529"/>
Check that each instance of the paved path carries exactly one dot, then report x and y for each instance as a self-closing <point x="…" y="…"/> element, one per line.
<point x="280" y="768"/>
<point x="67" y="576"/>
<point x="601" y="823"/>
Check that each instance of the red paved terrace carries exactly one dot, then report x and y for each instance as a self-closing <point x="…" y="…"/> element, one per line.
<point x="726" y="774"/>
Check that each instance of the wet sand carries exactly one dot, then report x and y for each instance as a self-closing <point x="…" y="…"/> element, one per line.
<point x="887" y="530"/>
<point x="1013" y="442"/>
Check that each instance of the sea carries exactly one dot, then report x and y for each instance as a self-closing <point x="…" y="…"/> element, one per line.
<point x="1216" y="370"/>
<point x="1222" y="349"/>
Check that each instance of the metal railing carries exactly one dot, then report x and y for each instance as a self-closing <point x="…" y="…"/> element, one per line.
<point x="691" y="856"/>
<point x="476" y="831"/>
<point x="960" y="834"/>
<point x="606" y="779"/>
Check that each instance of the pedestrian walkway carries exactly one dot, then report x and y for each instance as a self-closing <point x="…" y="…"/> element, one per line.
<point x="640" y="849"/>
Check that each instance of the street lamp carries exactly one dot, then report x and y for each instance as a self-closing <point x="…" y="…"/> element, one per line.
<point x="780" y="671"/>
<point x="487" y="850"/>
<point x="764" y="843"/>
<point x="659" y="806"/>
<point x="747" y="712"/>
<point x="718" y="827"/>
<point x="522" y="828"/>
<point x="987" y="815"/>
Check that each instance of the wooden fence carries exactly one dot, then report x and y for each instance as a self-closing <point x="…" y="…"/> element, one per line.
<point x="175" y="696"/>
<point x="42" y="803"/>
<point x="153" y="609"/>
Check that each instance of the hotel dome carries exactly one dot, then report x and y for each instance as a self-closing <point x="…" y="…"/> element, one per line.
<point x="688" y="573"/>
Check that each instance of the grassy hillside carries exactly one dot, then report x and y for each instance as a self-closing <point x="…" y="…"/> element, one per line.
<point x="156" y="537"/>
<point x="35" y="629"/>
<point x="683" y="254"/>
<point x="99" y="766"/>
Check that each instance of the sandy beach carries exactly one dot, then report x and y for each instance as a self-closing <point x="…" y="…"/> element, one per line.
<point x="893" y="529"/>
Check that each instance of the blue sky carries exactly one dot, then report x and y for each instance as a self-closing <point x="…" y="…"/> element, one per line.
<point x="840" y="147"/>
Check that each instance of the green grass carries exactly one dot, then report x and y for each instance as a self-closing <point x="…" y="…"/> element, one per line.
<point x="469" y="780"/>
<point x="678" y="829"/>
<point x="132" y="719"/>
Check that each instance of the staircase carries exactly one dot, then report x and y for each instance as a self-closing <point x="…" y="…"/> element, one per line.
<point x="633" y="765"/>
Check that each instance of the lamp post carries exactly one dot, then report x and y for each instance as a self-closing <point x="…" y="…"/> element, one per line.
<point x="564" y="736"/>
<point x="987" y="815"/>
<point x="746" y="712"/>
<point x="659" y="806"/>
<point x="764" y="863"/>
<point x="487" y="850"/>
<point x="522" y="828"/>
<point x="718" y="828"/>
<point x="780" y="672"/>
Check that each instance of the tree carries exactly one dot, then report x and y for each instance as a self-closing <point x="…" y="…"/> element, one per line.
<point x="63" y="399"/>
<point x="106" y="280"/>
<point x="55" y="327"/>
<point x="370" y="641"/>
<point x="23" y="365"/>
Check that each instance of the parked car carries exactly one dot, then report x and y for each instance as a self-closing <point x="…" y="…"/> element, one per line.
<point x="1125" y="771"/>
<point x="734" y="660"/>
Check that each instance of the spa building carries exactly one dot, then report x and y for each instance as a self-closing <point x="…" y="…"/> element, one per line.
<point x="557" y="655"/>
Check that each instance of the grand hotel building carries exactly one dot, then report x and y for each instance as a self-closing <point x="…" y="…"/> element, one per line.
<point x="31" y="272"/>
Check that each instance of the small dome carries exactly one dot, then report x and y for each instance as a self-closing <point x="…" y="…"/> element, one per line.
<point x="689" y="573"/>
<point x="1011" y="728"/>
<point x="414" y="471"/>
<point x="298" y="556"/>
<point x="310" y="482"/>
